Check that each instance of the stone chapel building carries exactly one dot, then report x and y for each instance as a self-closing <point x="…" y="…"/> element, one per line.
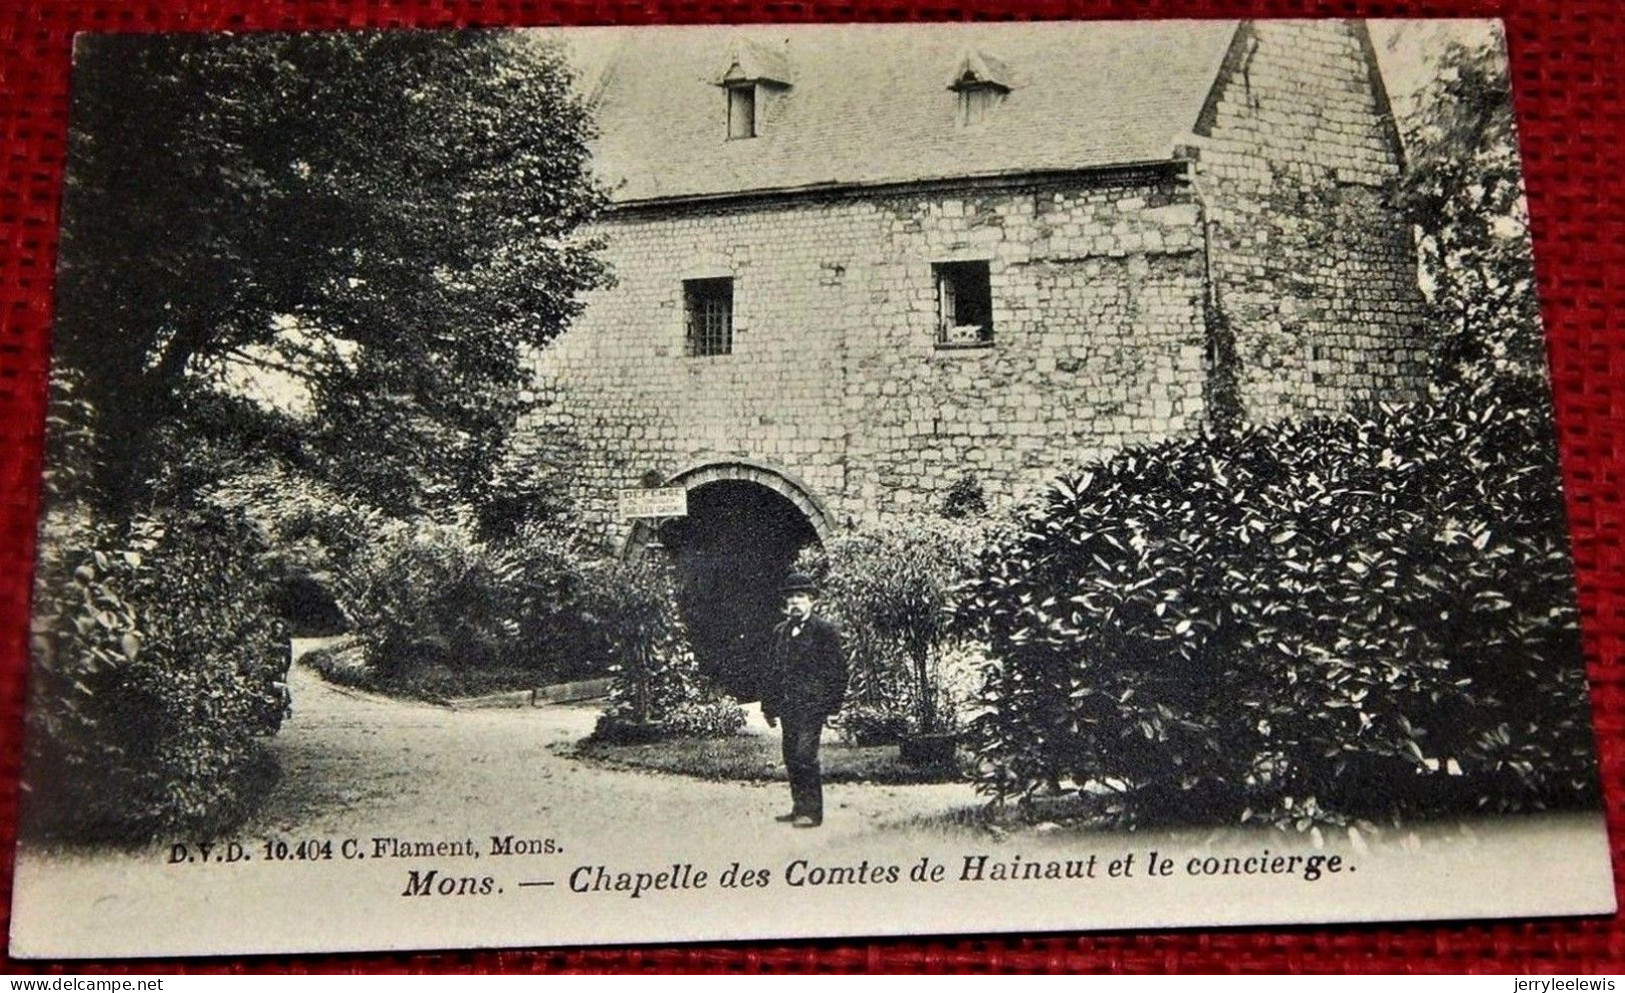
<point x="856" y="265"/>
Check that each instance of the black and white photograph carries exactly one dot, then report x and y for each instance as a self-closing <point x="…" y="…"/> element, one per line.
<point x="606" y="485"/>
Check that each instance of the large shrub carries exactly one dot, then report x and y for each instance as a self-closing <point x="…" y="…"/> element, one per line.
<point x="657" y="689"/>
<point x="890" y="590"/>
<point x="429" y="595"/>
<point x="317" y="534"/>
<point x="306" y="519"/>
<point x="566" y="617"/>
<point x="158" y="667"/>
<point x="1346" y="617"/>
<point x="534" y="607"/>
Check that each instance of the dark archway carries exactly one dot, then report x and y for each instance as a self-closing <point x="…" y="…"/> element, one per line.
<point x="731" y="553"/>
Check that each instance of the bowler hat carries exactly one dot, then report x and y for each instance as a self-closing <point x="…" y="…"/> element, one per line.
<point x="798" y="582"/>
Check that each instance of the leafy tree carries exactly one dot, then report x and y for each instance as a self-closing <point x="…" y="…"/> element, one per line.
<point x="378" y="224"/>
<point x="1464" y="191"/>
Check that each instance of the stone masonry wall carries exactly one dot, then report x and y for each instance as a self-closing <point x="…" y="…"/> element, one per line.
<point x="1315" y="272"/>
<point x="835" y="374"/>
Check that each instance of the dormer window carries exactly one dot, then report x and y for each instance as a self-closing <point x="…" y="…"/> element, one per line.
<point x="741" y="110"/>
<point x="752" y="75"/>
<point x="976" y="103"/>
<point x="982" y="83"/>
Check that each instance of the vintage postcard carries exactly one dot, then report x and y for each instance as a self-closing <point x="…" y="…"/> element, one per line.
<point x="673" y="484"/>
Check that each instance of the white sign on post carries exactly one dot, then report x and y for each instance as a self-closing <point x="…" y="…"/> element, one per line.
<point x="671" y="501"/>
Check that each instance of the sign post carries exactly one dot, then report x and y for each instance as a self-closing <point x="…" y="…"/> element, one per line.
<point x="658" y="504"/>
<point x="653" y="506"/>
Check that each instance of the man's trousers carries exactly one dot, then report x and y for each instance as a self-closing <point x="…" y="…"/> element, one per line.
<point x="801" y="733"/>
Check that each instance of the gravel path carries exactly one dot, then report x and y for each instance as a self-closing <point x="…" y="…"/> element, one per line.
<point x="353" y="762"/>
<point x="377" y="789"/>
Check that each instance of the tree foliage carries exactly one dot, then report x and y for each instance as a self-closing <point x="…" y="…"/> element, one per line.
<point x="378" y="224"/>
<point x="300" y="277"/>
<point x="1464" y="191"/>
<point x="157" y="668"/>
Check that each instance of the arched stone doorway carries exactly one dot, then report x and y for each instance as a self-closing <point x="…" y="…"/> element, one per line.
<point x="745" y="526"/>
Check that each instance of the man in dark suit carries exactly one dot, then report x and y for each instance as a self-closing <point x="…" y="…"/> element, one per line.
<point x="806" y="682"/>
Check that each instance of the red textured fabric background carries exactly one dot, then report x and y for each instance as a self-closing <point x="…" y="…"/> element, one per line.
<point x="1568" y="66"/>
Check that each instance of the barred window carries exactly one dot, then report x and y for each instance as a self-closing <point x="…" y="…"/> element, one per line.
<point x="964" y="304"/>
<point x="709" y="307"/>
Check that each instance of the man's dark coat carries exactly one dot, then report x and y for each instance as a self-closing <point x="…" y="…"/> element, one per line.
<point x="806" y="675"/>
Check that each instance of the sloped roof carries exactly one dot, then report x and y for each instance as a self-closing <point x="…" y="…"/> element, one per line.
<point x="870" y="103"/>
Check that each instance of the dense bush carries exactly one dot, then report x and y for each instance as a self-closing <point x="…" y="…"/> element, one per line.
<point x="343" y="662"/>
<point x="1346" y="617"/>
<point x="537" y="605"/>
<point x="658" y="690"/>
<point x="435" y="609"/>
<point x="890" y="591"/>
<point x="428" y="596"/>
<point x="866" y="725"/>
<point x="159" y="666"/>
<point x="306" y="519"/>
<point x="566" y="596"/>
<point x="715" y="718"/>
<point x="529" y="486"/>
<point x="317" y="535"/>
